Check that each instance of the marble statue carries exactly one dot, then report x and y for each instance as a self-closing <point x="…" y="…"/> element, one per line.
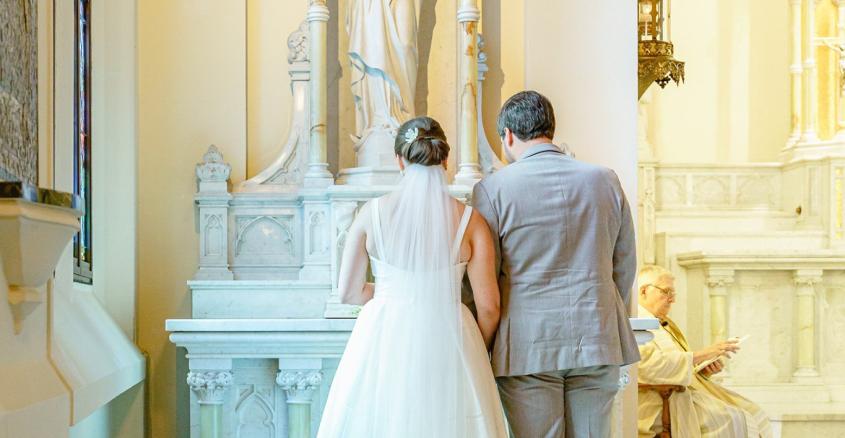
<point x="383" y="54"/>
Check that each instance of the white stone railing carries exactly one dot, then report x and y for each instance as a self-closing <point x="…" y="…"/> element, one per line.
<point x="729" y="187"/>
<point x="713" y="198"/>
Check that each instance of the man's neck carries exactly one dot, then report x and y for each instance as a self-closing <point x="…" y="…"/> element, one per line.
<point x="524" y="146"/>
<point x="650" y="311"/>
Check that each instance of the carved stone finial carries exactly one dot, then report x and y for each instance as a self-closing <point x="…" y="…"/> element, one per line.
<point x="299" y="385"/>
<point x="213" y="168"/>
<point x="210" y="386"/>
<point x="299" y="44"/>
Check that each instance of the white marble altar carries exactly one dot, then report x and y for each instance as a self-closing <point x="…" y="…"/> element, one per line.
<point x="267" y="327"/>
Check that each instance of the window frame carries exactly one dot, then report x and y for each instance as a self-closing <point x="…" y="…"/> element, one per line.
<point x="82" y="241"/>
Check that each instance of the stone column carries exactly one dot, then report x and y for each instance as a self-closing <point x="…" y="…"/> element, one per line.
<point x="718" y="283"/>
<point x="811" y="89"/>
<point x="840" y="26"/>
<point x="210" y="387"/>
<point x="487" y="158"/>
<point x="213" y="202"/>
<point x="836" y="203"/>
<point x="647" y="207"/>
<point x="469" y="171"/>
<point x="318" y="174"/>
<point x="299" y="386"/>
<point x="805" y="295"/>
<point x="796" y="70"/>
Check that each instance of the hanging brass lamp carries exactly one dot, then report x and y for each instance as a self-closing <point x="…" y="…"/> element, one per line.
<point x="656" y="62"/>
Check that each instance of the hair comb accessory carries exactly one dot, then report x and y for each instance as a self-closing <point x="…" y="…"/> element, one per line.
<point x="411" y="135"/>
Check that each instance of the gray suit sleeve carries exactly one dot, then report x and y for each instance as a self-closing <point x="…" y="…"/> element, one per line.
<point x="482" y="204"/>
<point x="625" y="251"/>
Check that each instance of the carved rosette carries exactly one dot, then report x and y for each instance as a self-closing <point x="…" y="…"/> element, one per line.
<point x="299" y="386"/>
<point x="209" y="386"/>
<point x="212" y="168"/>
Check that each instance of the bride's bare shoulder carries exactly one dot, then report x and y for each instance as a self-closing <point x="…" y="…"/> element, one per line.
<point x="363" y="216"/>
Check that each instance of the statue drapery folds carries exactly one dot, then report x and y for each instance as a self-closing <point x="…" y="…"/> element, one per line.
<point x="384" y="57"/>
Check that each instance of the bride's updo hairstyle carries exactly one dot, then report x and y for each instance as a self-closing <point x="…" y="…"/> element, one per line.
<point x="421" y="140"/>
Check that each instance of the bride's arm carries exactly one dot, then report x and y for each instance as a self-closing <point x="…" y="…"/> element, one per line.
<point x="482" y="277"/>
<point x="351" y="282"/>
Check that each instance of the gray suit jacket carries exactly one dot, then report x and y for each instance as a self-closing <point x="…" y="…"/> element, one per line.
<point x="566" y="260"/>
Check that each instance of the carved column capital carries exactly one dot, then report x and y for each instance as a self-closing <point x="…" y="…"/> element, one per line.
<point x="299" y="385"/>
<point x="209" y="386"/>
<point x="719" y="281"/>
<point x="807" y="277"/>
<point x="806" y="280"/>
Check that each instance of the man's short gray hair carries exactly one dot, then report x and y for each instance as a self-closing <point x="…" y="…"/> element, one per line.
<point x="651" y="274"/>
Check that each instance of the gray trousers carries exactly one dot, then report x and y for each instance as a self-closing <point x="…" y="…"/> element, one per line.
<point x="574" y="403"/>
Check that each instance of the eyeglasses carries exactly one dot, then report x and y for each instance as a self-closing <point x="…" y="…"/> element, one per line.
<point x="668" y="292"/>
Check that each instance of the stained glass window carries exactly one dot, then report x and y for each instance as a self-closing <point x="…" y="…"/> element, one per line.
<point x="82" y="140"/>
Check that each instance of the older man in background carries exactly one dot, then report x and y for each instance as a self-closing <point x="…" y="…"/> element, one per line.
<point x="705" y="409"/>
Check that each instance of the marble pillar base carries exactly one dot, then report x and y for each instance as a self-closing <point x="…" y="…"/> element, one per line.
<point x="369" y="176"/>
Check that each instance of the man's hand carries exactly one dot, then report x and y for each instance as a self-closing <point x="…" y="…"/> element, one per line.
<point x="713" y="368"/>
<point x="724" y="348"/>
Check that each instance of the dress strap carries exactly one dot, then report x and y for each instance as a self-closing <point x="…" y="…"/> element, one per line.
<point x="459" y="236"/>
<point x="377" y="229"/>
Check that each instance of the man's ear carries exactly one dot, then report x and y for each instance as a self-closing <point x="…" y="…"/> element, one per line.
<point x="508" y="138"/>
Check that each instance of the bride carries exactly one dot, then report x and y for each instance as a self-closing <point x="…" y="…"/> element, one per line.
<point x="416" y="364"/>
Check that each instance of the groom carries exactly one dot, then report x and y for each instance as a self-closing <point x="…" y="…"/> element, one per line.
<point x="566" y="263"/>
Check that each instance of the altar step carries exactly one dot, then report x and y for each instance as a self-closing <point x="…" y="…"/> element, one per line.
<point x="803" y="420"/>
<point x="799" y="410"/>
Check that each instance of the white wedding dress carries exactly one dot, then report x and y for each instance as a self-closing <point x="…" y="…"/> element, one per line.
<point x="415" y="364"/>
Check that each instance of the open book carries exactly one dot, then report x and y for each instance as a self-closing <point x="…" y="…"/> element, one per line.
<point x="704" y="364"/>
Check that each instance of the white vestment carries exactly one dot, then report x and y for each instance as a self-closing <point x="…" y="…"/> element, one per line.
<point x="705" y="409"/>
